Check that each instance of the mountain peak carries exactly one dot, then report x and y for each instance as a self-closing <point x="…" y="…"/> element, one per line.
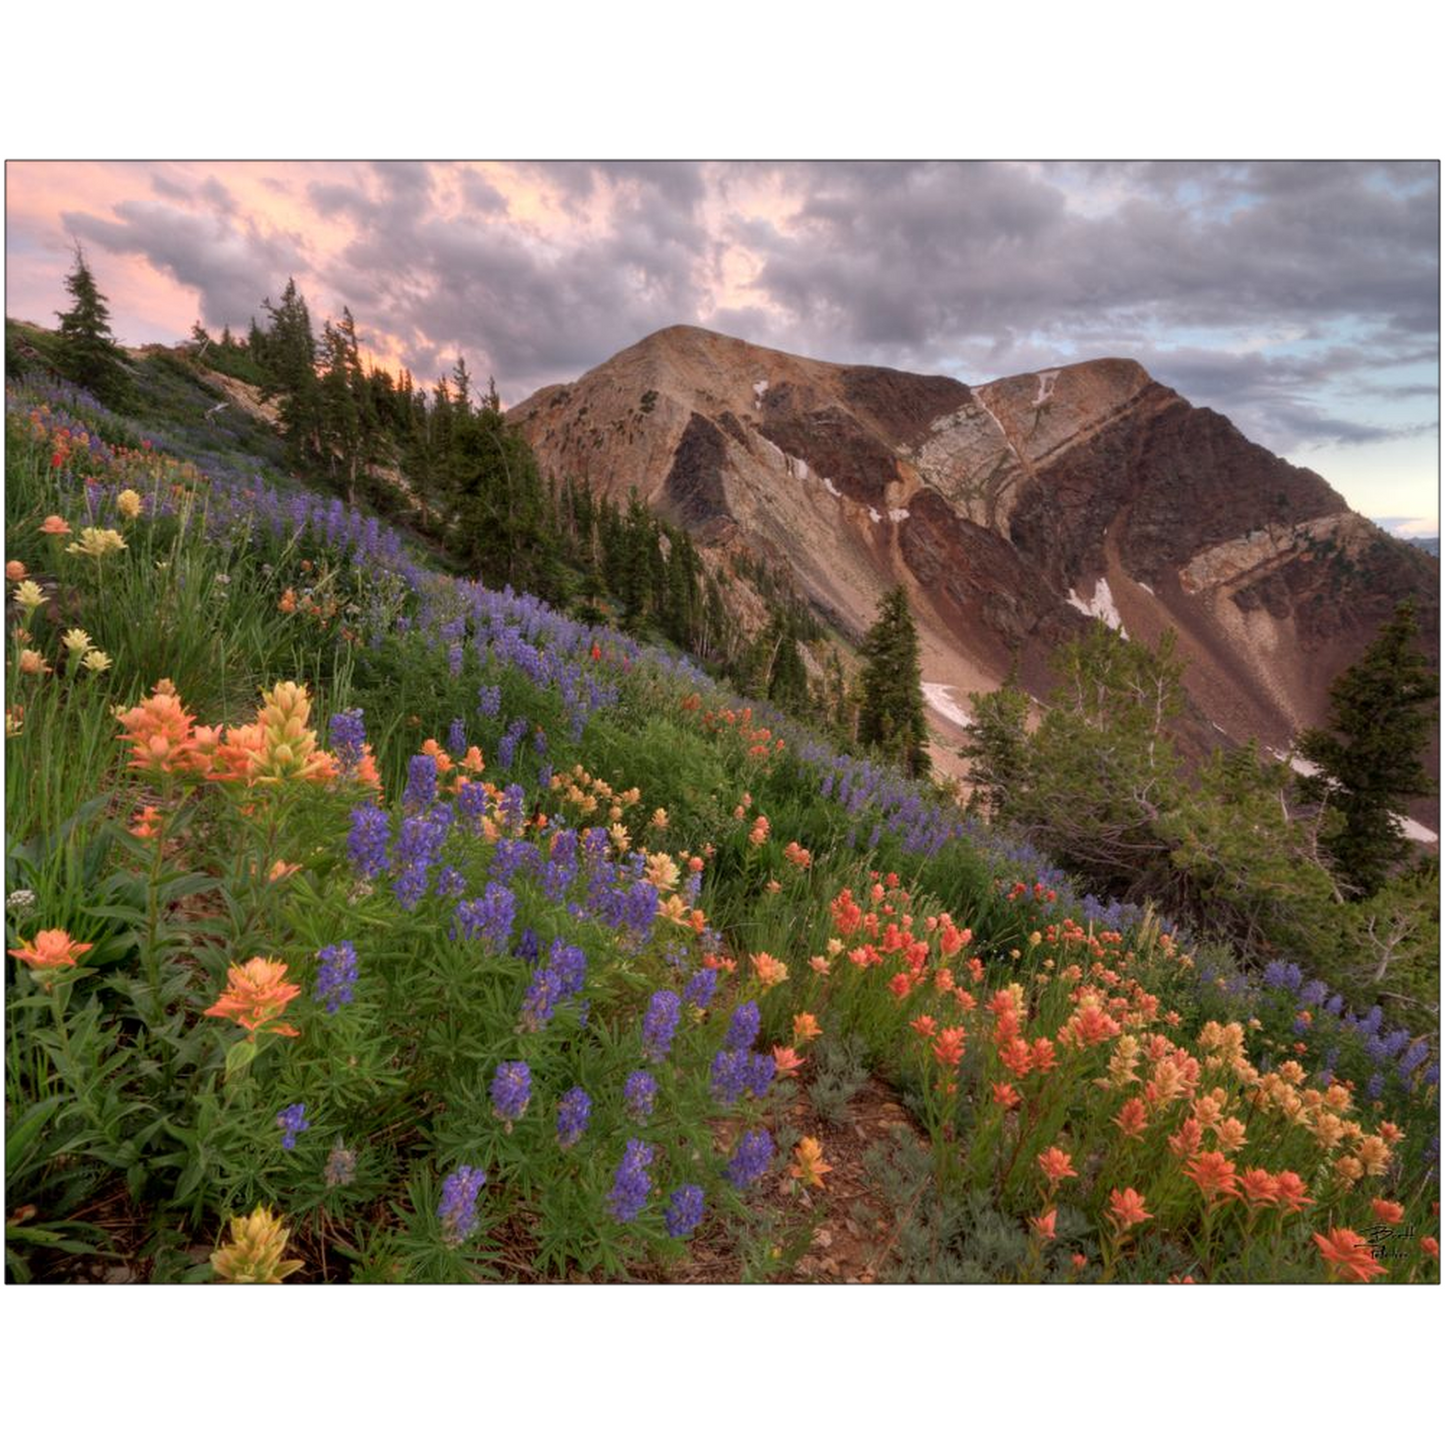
<point x="1013" y="510"/>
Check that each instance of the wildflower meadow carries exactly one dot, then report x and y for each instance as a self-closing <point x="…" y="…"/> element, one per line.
<point x="365" y="924"/>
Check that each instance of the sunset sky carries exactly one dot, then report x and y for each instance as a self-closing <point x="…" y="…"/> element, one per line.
<point x="1300" y="299"/>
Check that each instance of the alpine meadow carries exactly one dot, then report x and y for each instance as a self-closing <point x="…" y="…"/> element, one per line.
<point x="727" y="817"/>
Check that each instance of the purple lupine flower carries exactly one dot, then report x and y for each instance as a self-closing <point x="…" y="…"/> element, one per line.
<point x="641" y="906"/>
<point x="700" y="988"/>
<point x="292" y="1121"/>
<point x="458" y="1209"/>
<point x="631" y="1184"/>
<point x="457" y="737"/>
<point x="557" y="878"/>
<point x="456" y="655"/>
<point x="684" y="1211"/>
<point x="511" y="1090"/>
<point x="1375" y="1087"/>
<point x="450" y="883"/>
<point x="1413" y="1057"/>
<point x="348" y="739"/>
<point x="574" y="1110"/>
<point x="489" y="701"/>
<point x="1393" y="1042"/>
<point x="510" y="856"/>
<point x="570" y="964"/>
<point x="489" y="917"/>
<point x="336" y="976"/>
<point x="639" y="1095"/>
<point x="729" y="1075"/>
<point x="743" y="1026"/>
<point x="527" y="947"/>
<point x="472" y="801"/>
<point x="1313" y="994"/>
<point x="541" y="1000"/>
<point x="507" y="743"/>
<point x="411" y="886"/>
<point x="750" y="1159"/>
<point x="761" y="1068"/>
<point x="368" y="840"/>
<point x="513" y="806"/>
<point x="664" y="1009"/>
<point x="421" y="781"/>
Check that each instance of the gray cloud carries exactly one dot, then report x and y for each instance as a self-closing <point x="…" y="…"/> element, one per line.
<point x="229" y="261"/>
<point x="1283" y="294"/>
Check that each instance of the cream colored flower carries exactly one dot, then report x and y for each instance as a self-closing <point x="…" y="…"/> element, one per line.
<point x="128" y="504"/>
<point x="77" y="640"/>
<point x="29" y="596"/>
<point x="95" y="661"/>
<point x="98" y="542"/>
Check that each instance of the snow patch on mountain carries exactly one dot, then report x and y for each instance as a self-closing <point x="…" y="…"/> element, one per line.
<point x="1100" y="605"/>
<point x="1046" y="386"/>
<point x="937" y="695"/>
<point x="1416" y="832"/>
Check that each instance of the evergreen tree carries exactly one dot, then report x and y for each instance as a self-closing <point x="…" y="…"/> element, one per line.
<point x="1368" y="754"/>
<point x="289" y="357"/>
<point x="88" y="353"/>
<point x="890" y="713"/>
<point x="997" y="749"/>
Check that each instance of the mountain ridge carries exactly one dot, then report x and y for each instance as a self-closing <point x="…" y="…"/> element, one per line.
<point x="1011" y="509"/>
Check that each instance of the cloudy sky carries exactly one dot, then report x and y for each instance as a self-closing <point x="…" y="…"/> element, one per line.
<point x="1301" y="299"/>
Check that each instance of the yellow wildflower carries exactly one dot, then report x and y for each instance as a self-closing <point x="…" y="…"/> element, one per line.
<point x="128" y="504"/>
<point x="28" y="596"/>
<point x="254" y="1253"/>
<point x="288" y="748"/>
<point x="98" y="542"/>
<point x="95" y="661"/>
<point x="77" y="640"/>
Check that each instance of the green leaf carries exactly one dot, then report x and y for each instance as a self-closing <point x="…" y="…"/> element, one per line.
<point x="238" y="1059"/>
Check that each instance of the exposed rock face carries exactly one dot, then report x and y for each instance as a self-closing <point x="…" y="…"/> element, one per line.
<point x="1010" y="510"/>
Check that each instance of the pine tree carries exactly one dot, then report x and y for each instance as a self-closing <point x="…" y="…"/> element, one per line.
<point x="890" y="713"/>
<point x="998" y="746"/>
<point x="290" y="360"/>
<point x="1368" y="753"/>
<point x="88" y="351"/>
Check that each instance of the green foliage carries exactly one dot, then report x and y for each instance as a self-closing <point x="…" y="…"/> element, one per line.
<point x="1368" y="754"/>
<point x="998" y="754"/>
<point x="1100" y="787"/>
<point x="890" y="711"/>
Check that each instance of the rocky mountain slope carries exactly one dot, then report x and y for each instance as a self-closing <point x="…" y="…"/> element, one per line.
<point x="1012" y="510"/>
